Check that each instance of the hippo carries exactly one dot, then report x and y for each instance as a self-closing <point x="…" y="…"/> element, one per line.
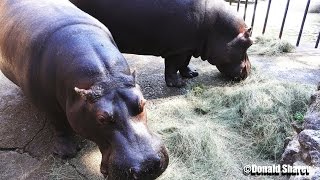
<point x="177" y="30"/>
<point x="69" y="66"/>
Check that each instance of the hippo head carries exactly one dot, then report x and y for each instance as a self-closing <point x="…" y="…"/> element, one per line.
<point x="232" y="59"/>
<point x="114" y="117"/>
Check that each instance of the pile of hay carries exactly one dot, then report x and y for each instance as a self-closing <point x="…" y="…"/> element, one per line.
<point x="212" y="132"/>
<point x="270" y="46"/>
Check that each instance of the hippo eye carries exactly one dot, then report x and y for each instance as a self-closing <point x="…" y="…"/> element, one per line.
<point x="104" y="119"/>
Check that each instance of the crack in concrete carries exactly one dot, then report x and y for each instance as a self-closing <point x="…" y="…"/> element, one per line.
<point x="37" y="133"/>
<point x="9" y="149"/>
<point x="23" y="149"/>
<point x="81" y="174"/>
<point x="17" y="150"/>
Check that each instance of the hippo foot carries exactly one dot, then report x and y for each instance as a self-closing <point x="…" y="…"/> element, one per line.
<point x="65" y="147"/>
<point x="188" y="73"/>
<point x="175" y="82"/>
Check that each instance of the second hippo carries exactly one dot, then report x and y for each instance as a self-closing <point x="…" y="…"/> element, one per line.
<point x="177" y="30"/>
<point x="68" y="64"/>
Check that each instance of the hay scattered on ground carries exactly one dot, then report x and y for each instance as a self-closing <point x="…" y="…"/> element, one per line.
<point x="270" y="46"/>
<point x="212" y="132"/>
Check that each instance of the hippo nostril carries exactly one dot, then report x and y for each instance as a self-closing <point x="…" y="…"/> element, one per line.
<point x="237" y="78"/>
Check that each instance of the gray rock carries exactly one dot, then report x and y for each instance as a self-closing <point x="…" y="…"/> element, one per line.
<point x="315" y="158"/>
<point x="308" y="142"/>
<point x="312" y="121"/>
<point x="316" y="175"/>
<point x="314" y="103"/>
<point x="310" y="139"/>
<point x="291" y="152"/>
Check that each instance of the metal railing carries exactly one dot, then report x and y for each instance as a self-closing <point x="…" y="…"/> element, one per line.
<point x="267" y="16"/>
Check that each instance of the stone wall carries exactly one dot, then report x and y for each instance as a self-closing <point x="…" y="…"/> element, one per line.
<point x="304" y="148"/>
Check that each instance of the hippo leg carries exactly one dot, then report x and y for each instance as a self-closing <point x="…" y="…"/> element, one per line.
<point x="172" y="65"/>
<point x="65" y="145"/>
<point x="185" y="70"/>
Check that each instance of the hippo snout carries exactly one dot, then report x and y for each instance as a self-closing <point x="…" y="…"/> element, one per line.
<point x="150" y="170"/>
<point x="137" y="166"/>
<point x="236" y="72"/>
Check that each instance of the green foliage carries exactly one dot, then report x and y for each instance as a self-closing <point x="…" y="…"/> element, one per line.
<point x="299" y="117"/>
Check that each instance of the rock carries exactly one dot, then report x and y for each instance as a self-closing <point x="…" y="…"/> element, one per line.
<point x="312" y="121"/>
<point x="315" y="158"/>
<point x="286" y="142"/>
<point x="314" y="105"/>
<point x="291" y="152"/>
<point x="305" y="156"/>
<point x="304" y="149"/>
<point x="316" y="175"/>
<point x="310" y="139"/>
<point x="296" y="127"/>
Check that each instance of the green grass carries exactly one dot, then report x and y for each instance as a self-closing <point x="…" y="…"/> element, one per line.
<point x="270" y="46"/>
<point x="212" y="132"/>
<point x="299" y="117"/>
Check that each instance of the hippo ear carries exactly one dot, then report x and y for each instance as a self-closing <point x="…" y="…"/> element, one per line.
<point x="85" y="94"/>
<point x="134" y="74"/>
<point x="246" y="41"/>
<point x="247" y="34"/>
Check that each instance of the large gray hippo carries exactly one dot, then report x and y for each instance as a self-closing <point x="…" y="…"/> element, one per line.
<point x="69" y="65"/>
<point x="177" y="30"/>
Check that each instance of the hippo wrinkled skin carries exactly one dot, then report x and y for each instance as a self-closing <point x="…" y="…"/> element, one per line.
<point x="177" y="30"/>
<point x="68" y="64"/>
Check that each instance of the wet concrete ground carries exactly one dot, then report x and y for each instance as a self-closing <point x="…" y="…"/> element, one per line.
<point x="26" y="134"/>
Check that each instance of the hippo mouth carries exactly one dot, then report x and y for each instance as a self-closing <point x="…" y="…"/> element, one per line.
<point x="236" y="71"/>
<point x="146" y="171"/>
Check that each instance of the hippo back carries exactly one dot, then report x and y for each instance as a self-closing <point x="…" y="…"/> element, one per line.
<point x="150" y="27"/>
<point x="164" y="28"/>
<point x="30" y="24"/>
